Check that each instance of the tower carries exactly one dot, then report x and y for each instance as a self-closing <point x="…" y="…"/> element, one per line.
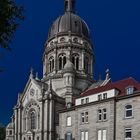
<point x="68" y="42"/>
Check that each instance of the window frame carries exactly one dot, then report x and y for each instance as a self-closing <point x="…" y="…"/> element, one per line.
<point x="83" y="134"/>
<point x="129" y="90"/>
<point x="126" y="110"/>
<point x="101" y="134"/>
<point x="66" y="135"/>
<point x="127" y="130"/>
<point x="67" y="121"/>
<point x="101" y="115"/>
<point x="84" y="117"/>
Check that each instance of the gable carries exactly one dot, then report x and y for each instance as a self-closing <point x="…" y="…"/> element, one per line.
<point x="32" y="91"/>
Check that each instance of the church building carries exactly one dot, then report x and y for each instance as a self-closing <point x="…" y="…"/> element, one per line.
<point x="67" y="103"/>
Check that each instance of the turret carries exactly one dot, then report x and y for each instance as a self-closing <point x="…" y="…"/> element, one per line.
<point x="69" y="81"/>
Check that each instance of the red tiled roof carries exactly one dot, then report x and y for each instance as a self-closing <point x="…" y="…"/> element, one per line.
<point x="120" y="85"/>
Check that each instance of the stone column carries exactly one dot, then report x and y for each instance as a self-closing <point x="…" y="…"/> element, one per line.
<point x="83" y="57"/>
<point x="55" y="60"/>
<point x="51" y="120"/>
<point x="16" y="124"/>
<point x="42" y="120"/>
<point x="19" y="123"/>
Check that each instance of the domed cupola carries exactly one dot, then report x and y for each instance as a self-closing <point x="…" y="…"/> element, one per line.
<point x="68" y="58"/>
<point x="69" y="22"/>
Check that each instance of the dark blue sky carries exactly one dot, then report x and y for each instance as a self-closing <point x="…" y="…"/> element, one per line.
<point x="115" y="31"/>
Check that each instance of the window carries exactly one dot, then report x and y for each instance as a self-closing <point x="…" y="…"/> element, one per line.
<point x="82" y="101"/>
<point x="51" y="64"/>
<point x="75" y="61"/>
<point x="62" y="61"/>
<point x="102" y="134"/>
<point x="105" y="96"/>
<point x="128" y="133"/>
<point x="128" y="111"/>
<point x="68" y="136"/>
<point x="68" y="121"/>
<point x="84" y="135"/>
<point x="10" y="132"/>
<point x="99" y="115"/>
<point x="102" y="96"/>
<point x="84" y="117"/>
<point x="99" y="97"/>
<point x="129" y="90"/>
<point x="33" y="120"/>
<point x="102" y="114"/>
<point x="87" y="100"/>
<point x="86" y="65"/>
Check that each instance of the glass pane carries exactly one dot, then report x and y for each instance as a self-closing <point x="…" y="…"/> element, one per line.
<point x="128" y="106"/>
<point x="82" y="135"/>
<point x="105" y="116"/>
<point x="68" y="121"/>
<point x="128" y="113"/>
<point x="69" y="136"/>
<point x="104" y="134"/>
<point x="99" y="135"/>
<point x="86" y="135"/>
<point x="128" y="135"/>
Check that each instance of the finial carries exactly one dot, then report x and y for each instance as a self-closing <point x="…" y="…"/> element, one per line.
<point x="36" y="76"/>
<point x="69" y="5"/>
<point x="32" y="73"/>
<point x="107" y="74"/>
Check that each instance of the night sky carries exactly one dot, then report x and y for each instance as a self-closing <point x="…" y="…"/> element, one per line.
<point x="115" y="31"/>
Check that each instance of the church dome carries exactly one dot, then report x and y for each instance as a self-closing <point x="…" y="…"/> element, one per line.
<point x="69" y="22"/>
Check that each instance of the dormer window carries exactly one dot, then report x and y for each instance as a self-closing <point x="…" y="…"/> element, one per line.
<point x="105" y="96"/>
<point x="87" y="100"/>
<point x="99" y="97"/>
<point x="82" y="101"/>
<point x="129" y="90"/>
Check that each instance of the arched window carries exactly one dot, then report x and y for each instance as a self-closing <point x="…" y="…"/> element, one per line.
<point x="128" y="111"/>
<point x="33" y="120"/>
<point x="75" y="61"/>
<point x="62" y="61"/>
<point x="69" y="121"/>
<point x="51" y="60"/>
<point x="86" y="64"/>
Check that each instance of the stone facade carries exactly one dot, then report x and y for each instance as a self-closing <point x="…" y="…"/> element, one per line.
<point x="133" y="122"/>
<point x="93" y="124"/>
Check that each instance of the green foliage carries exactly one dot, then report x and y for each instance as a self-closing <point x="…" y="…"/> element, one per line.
<point x="2" y="132"/>
<point x="10" y="17"/>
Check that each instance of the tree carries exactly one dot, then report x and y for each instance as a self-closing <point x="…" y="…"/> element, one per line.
<point x="10" y="16"/>
<point x="2" y="132"/>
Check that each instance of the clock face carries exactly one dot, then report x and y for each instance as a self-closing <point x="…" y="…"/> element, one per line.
<point x="32" y="92"/>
